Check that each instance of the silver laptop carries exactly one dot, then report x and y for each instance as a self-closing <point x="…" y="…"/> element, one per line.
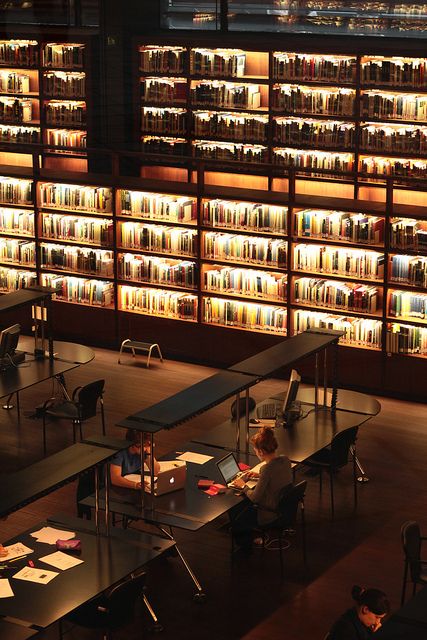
<point x="171" y="477"/>
<point x="229" y="469"/>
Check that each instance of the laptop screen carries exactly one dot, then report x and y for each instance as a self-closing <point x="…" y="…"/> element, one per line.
<point x="228" y="467"/>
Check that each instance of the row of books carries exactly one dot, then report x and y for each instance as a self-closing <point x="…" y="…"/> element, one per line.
<point x="246" y="282"/>
<point x="159" y="302"/>
<point x="303" y="131"/>
<point x="157" y="238"/>
<point x="65" y="112"/>
<point x="246" y="215"/>
<point x="301" y="158"/>
<point x="158" y="206"/>
<point x="86" y="230"/>
<point x="71" y="84"/>
<point x="14" y="82"/>
<point x="19" y="52"/>
<point x="164" y="120"/>
<point x="300" y="66"/>
<point x="394" y="138"/>
<point x="96" y="293"/>
<point x="155" y="59"/>
<point x="217" y="93"/>
<point x="13" y="279"/>
<point x="72" y="196"/>
<point x="409" y="269"/>
<point x="403" y="338"/>
<point x="16" y="109"/>
<point x="321" y="100"/>
<point x="67" y="138"/>
<point x="406" y="233"/>
<point x="229" y="151"/>
<point x="245" y="315"/>
<point x="164" y="90"/>
<point x="66" y="55"/>
<point x="218" y="62"/>
<point x="19" y="134"/>
<point x="16" y="221"/>
<point x="18" y="251"/>
<point x="394" y="71"/>
<point x="405" y="304"/>
<point x="339" y="225"/>
<point x="405" y="167"/>
<point x="164" y="145"/>
<point x="330" y="293"/>
<point x="400" y="106"/>
<point x="16" y="191"/>
<point x="182" y="273"/>
<point x="354" y="263"/>
<point x="225" y="246"/>
<point x="362" y="332"/>
<point x="58" y="256"/>
<point x="232" y="126"/>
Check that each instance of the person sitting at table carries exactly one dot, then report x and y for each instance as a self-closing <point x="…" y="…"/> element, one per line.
<point x="361" y="621"/>
<point x="260" y="504"/>
<point x="129" y="461"/>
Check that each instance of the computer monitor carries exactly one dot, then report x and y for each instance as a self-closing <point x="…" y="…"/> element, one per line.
<point x="9" y="339"/>
<point x="291" y="393"/>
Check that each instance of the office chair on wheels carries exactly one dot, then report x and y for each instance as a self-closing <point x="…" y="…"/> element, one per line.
<point x="114" y="608"/>
<point x="82" y="406"/>
<point x="417" y="568"/>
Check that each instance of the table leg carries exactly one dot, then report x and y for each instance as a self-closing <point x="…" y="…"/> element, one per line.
<point x="199" y="596"/>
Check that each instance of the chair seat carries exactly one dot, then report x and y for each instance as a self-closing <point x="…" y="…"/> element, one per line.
<point x="66" y="410"/>
<point x="322" y="457"/>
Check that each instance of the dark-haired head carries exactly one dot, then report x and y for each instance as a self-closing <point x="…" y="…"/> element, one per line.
<point x="374" y="599"/>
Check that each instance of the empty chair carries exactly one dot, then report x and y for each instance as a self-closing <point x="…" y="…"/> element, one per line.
<point x="114" y="608"/>
<point x="287" y="513"/>
<point x="335" y="457"/>
<point x="417" y="569"/>
<point x="81" y="407"/>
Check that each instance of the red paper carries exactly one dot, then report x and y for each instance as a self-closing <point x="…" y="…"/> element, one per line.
<point x="243" y="466"/>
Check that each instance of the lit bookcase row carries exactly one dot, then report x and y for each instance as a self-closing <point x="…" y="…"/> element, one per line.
<point x="355" y="263"/>
<point x="244" y="282"/>
<point x="16" y="221"/>
<point x="43" y="84"/>
<point x="245" y="315"/>
<point x="175" y="240"/>
<point x="96" y="293"/>
<point x="18" y="252"/>
<point x="158" y="302"/>
<point x="77" y="259"/>
<point x="156" y="270"/>
<point x="13" y="279"/>
<point x="77" y="229"/>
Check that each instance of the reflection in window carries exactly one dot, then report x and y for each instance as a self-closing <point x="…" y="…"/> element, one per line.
<point x="184" y="14"/>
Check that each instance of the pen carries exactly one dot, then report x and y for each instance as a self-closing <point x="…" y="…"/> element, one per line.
<point x="19" y="558"/>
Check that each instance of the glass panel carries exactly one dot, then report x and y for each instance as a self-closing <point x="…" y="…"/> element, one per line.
<point x="184" y="14"/>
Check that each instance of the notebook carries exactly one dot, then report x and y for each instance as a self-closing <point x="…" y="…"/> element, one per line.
<point x="229" y="469"/>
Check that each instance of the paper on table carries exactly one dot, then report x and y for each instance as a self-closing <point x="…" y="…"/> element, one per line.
<point x="196" y="458"/>
<point x="49" y="535"/>
<point x="41" y="576"/>
<point x="16" y="550"/>
<point x="5" y="588"/>
<point x="61" y="560"/>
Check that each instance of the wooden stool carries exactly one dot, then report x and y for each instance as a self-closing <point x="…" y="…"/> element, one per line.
<point x="145" y="347"/>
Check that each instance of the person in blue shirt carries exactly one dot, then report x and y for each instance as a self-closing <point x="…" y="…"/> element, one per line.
<point x="128" y="462"/>
<point x="361" y="621"/>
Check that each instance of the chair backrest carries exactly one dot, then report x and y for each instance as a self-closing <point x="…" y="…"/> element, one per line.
<point x="290" y="499"/>
<point x="87" y="398"/>
<point x="411" y="543"/>
<point x="120" y="600"/>
<point x="340" y="446"/>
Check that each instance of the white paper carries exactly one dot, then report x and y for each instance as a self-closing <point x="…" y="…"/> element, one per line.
<point x="196" y="458"/>
<point x="61" y="560"/>
<point x="16" y="550"/>
<point x="49" y="535"/>
<point x="5" y="588"/>
<point x="41" y="576"/>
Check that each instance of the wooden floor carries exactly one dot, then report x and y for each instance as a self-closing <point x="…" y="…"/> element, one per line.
<point x="245" y="597"/>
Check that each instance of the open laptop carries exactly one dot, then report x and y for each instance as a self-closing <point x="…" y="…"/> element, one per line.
<point x="172" y="476"/>
<point x="229" y="469"/>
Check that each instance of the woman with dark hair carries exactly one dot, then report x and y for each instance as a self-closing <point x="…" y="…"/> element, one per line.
<point x="361" y="621"/>
<point x="128" y="461"/>
<point x="274" y="476"/>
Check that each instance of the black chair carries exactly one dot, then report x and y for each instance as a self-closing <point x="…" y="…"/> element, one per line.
<point x="287" y="513"/>
<point x="335" y="457"/>
<point x="114" y="608"/>
<point x="411" y="543"/>
<point x="82" y="406"/>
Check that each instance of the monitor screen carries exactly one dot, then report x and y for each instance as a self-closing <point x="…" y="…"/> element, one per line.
<point x="9" y="340"/>
<point x="292" y="391"/>
<point x="228" y="467"/>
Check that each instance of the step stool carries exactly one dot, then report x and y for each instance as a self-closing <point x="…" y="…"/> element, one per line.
<point x="145" y="347"/>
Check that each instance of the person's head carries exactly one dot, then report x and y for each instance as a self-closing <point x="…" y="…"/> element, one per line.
<point x="372" y="606"/>
<point x="134" y="438"/>
<point x="264" y="443"/>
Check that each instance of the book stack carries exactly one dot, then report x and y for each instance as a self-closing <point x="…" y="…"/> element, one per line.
<point x="306" y="66"/>
<point x="62" y="55"/>
<point x="62" y="112"/>
<point x="16" y="221"/>
<point x="158" y="206"/>
<point x="339" y="225"/>
<point x="16" y="109"/>
<point x="354" y="263"/>
<point x="155" y="59"/>
<point x="182" y="273"/>
<point x="247" y="249"/>
<point x="246" y="215"/>
<point x="359" y="332"/>
<point x="218" y="93"/>
<point x="77" y="197"/>
<point x="19" y="135"/>
<point x="165" y="90"/>
<point x="333" y="101"/>
<point x="16" y="191"/>
<point x="12" y="82"/>
<point x="96" y="293"/>
<point x="409" y="270"/>
<point x="323" y="133"/>
<point x="13" y="279"/>
<point x="78" y="229"/>
<point x="246" y="282"/>
<point x="218" y="62"/>
<point x="244" y="315"/>
<point x="405" y="304"/>
<point x="18" y="251"/>
<point x="81" y="259"/>
<point x="70" y="84"/>
<point x="150" y="237"/>
<point x="234" y="152"/>
<point x="331" y="293"/>
<point x="19" y="52"/>
<point x="158" y="302"/>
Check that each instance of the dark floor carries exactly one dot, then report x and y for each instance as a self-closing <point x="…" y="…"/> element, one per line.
<point x="246" y="597"/>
